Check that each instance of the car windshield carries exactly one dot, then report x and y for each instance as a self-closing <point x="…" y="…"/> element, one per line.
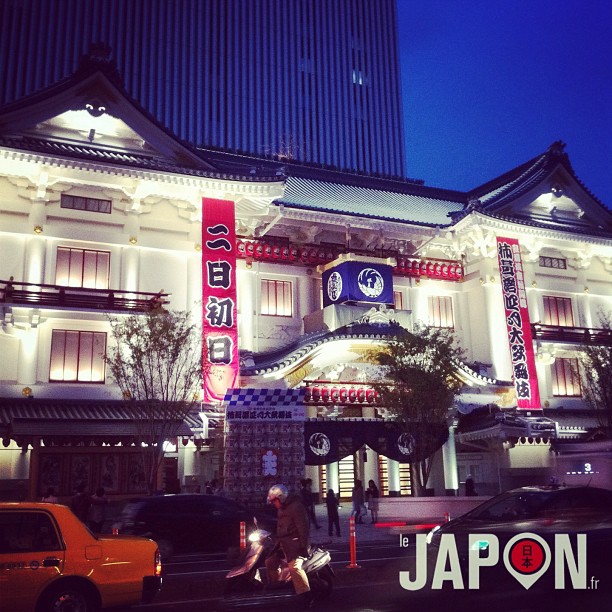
<point x="512" y="506"/>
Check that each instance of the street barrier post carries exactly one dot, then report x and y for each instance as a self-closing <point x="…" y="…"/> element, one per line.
<point x="353" y="545"/>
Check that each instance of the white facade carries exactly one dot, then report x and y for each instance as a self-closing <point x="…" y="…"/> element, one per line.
<point x="150" y="242"/>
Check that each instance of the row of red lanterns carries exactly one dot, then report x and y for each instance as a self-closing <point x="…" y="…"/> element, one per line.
<point x="342" y="395"/>
<point x="259" y="250"/>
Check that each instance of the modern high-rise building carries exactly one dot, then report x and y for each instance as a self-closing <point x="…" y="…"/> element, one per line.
<point x="316" y="81"/>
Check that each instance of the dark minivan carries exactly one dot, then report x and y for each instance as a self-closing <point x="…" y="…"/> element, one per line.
<point x="189" y="522"/>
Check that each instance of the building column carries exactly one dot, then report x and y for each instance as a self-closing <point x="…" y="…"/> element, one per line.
<point x="130" y="268"/>
<point x="393" y="476"/>
<point x="194" y="281"/>
<point x="370" y="467"/>
<point x="35" y="260"/>
<point x="247" y="305"/>
<point x="28" y="356"/>
<point x="333" y="477"/>
<point x="449" y="458"/>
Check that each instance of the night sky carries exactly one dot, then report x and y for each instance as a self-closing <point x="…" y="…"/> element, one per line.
<point x="490" y="84"/>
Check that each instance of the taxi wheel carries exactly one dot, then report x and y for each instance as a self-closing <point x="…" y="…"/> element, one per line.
<point x="68" y="598"/>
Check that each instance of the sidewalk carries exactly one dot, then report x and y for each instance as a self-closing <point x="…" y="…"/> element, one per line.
<point x="364" y="532"/>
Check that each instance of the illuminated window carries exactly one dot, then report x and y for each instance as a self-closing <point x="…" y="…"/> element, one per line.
<point x="398" y="300"/>
<point x="88" y="204"/>
<point x="552" y="262"/>
<point x="558" y="311"/>
<point x="82" y="268"/>
<point x="77" y="356"/>
<point x="566" y="378"/>
<point x="276" y="298"/>
<point x="441" y="311"/>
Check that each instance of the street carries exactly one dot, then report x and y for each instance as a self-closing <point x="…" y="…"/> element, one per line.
<point x="195" y="582"/>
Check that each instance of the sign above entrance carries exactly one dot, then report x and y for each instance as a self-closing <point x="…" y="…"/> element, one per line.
<point x="351" y="278"/>
<point x="265" y="405"/>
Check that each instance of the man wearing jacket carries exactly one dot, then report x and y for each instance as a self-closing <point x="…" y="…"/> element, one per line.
<point x="292" y="532"/>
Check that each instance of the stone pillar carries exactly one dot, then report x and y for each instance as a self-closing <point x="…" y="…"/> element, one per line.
<point x="393" y="476"/>
<point x="449" y="458"/>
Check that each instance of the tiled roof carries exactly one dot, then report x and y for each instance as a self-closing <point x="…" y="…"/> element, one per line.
<point x="70" y="418"/>
<point x="331" y="197"/>
<point x="97" y="154"/>
<point x="305" y="345"/>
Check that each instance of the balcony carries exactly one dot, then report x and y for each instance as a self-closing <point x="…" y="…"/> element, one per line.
<point x="571" y="335"/>
<point x="36" y="295"/>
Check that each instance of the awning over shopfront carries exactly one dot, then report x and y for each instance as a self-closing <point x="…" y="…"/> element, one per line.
<point x="327" y="441"/>
<point x="58" y="422"/>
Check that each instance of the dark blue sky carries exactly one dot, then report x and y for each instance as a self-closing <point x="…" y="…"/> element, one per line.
<point x="489" y="84"/>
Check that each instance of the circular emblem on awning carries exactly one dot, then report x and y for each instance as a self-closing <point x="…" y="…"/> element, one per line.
<point x="334" y="286"/>
<point x="319" y="444"/>
<point x="370" y="282"/>
<point x="406" y="444"/>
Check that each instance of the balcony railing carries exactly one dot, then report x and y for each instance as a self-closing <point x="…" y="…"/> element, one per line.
<point x="572" y="335"/>
<point x="78" y="298"/>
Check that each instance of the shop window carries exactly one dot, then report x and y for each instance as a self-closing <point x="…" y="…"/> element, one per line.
<point x="441" y="311"/>
<point x="276" y="298"/>
<point x="88" y="204"/>
<point x="77" y="356"/>
<point x="82" y="268"/>
<point x="566" y="378"/>
<point x="558" y="311"/>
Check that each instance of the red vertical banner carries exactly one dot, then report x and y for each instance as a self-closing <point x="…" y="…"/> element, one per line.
<point x="517" y="323"/>
<point x="219" y="320"/>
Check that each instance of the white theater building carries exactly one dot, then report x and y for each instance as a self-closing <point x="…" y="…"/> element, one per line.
<point x="101" y="208"/>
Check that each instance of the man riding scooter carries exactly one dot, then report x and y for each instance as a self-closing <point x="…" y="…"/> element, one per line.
<point x="292" y="532"/>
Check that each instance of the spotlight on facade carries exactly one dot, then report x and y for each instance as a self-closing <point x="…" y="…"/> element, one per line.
<point x="38" y="229"/>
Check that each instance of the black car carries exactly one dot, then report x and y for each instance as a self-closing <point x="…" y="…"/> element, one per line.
<point x="189" y="523"/>
<point x="526" y="534"/>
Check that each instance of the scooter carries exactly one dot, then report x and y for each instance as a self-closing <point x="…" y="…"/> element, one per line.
<point x="248" y="582"/>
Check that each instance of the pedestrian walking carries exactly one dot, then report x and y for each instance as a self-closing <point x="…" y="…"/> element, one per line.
<point x="372" y="496"/>
<point x="308" y="501"/>
<point x="470" y="489"/>
<point x="333" y="518"/>
<point x="81" y="503"/>
<point x="358" y="499"/>
<point x="97" y="510"/>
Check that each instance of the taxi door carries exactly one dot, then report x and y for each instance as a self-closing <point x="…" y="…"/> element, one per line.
<point x="31" y="555"/>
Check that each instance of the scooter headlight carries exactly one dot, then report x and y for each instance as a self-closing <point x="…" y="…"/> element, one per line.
<point x="431" y="534"/>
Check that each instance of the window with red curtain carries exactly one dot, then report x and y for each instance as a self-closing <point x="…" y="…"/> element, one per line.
<point x="441" y="311"/>
<point x="276" y="298"/>
<point x="77" y="356"/>
<point x="558" y="311"/>
<point x="82" y="268"/>
<point x="566" y="378"/>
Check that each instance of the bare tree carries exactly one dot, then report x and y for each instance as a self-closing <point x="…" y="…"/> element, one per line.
<point x="419" y="388"/>
<point x="156" y="361"/>
<point x="596" y="373"/>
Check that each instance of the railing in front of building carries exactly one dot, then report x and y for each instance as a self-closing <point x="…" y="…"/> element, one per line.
<point x="572" y="335"/>
<point x="55" y="296"/>
<point x="314" y="255"/>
